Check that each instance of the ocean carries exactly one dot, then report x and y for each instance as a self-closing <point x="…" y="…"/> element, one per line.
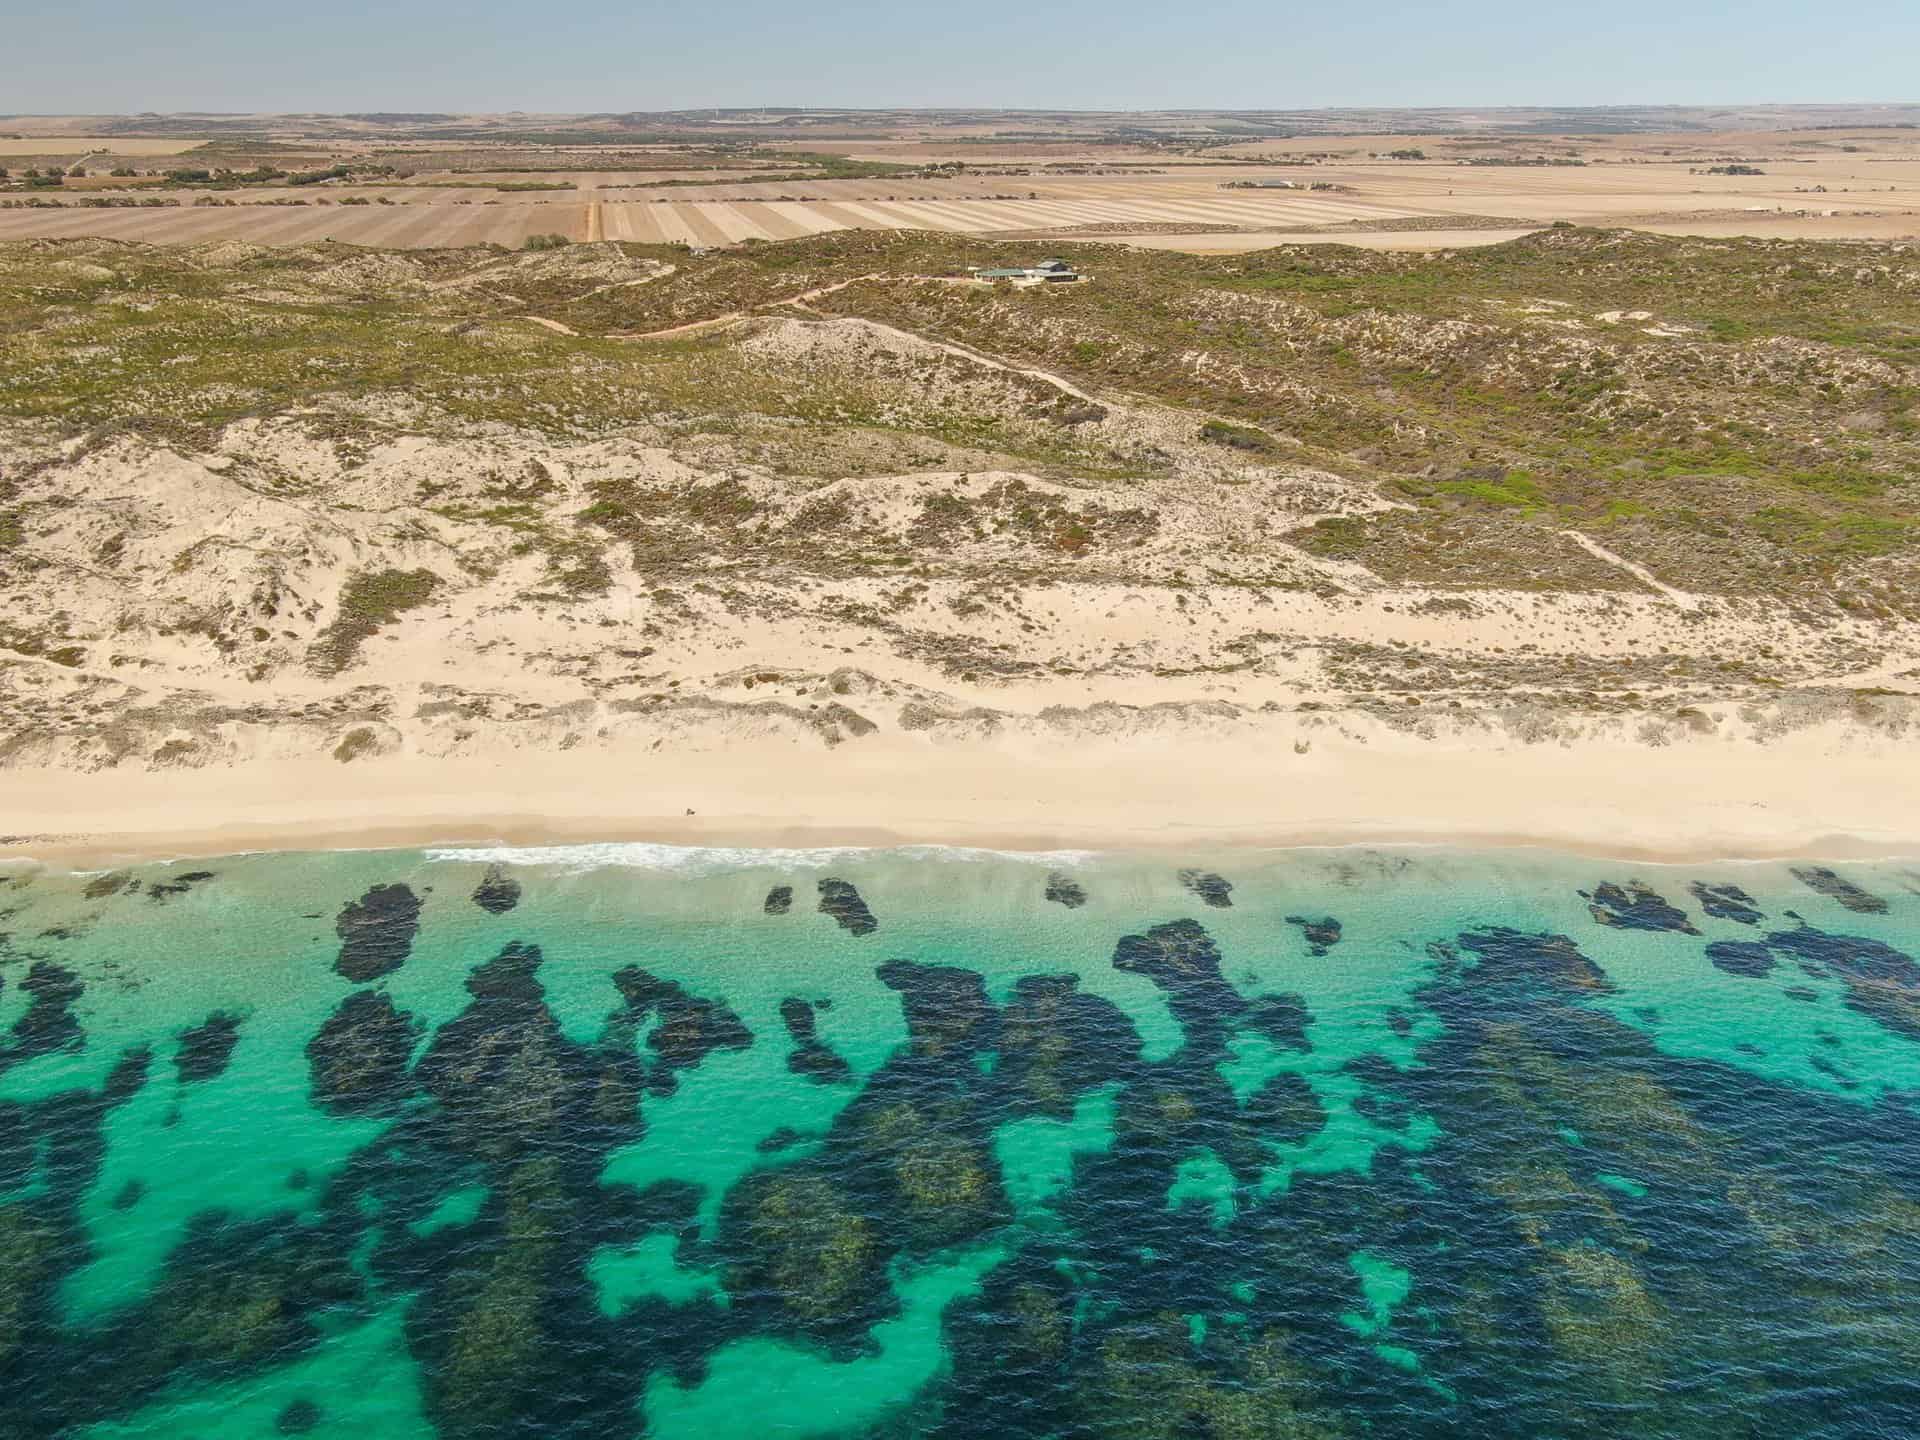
<point x="628" y="1140"/>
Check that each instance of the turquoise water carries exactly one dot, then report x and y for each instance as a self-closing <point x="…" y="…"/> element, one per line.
<point x="624" y="1141"/>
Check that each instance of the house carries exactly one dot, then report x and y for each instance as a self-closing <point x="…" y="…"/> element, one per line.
<point x="1046" y="272"/>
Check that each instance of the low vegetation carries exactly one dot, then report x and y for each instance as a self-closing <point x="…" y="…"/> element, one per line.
<point x="1744" y="414"/>
<point x="368" y="601"/>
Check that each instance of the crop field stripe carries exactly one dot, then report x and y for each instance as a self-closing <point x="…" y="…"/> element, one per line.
<point x="956" y="215"/>
<point x="704" y="230"/>
<point x="1091" y="212"/>
<point x="1001" y="217"/>
<point x="803" y="219"/>
<point x="27" y="224"/>
<point x="881" y="217"/>
<point x="421" y="228"/>
<point x="922" y="215"/>
<point x="731" y="222"/>
<point x="625" y="222"/>
<point x="973" y="217"/>
<point x="842" y="216"/>
<point x="673" y="225"/>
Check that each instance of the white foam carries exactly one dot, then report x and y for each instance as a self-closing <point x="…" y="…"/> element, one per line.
<point x="711" y="859"/>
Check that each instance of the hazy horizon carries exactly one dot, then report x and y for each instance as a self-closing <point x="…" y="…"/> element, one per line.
<point x="217" y="56"/>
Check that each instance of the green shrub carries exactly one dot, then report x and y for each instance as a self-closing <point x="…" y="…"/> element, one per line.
<point x="371" y="599"/>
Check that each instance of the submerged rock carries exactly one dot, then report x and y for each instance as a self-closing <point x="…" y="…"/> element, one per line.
<point x="1882" y="983"/>
<point x="376" y="933"/>
<point x="839" y="899"/>
<point x="1322" y="934"/>
<point x="502" y="1071"/>
<point x="1213" y="889"/>
<point x="49" y="1023"/>
<point x="1746" y="958"/>
<point x="947" y="1009"/>
<point x="299" y="1418"/>
<point x="1285" y="1111"/>
<point x="29" y="1247"/>
<point x="205" y="1049"/>
<point x="943" y="1181"/>
<point x="1056" y="1042"/>
<point x="779" y="900"/>
<point x="358" y="1060"/>
<point x="778" y="1140"/>
<point x="112" y="883"/>
<point x="485" y="1326"/>
<point x="1282" y="1018"/>
<point x="1635" y="906"/>
<point x="232" y="1299"/>
<point x="804" y="1251"/>
<point x="810" y="1057"/>
<point x="1509" y="957"/>
<point x="1837" y="887"/>
<point x="1181" y="958"/>
<point x="1063" y="889"/>
<point x="1727" y="902"/>
<point x="163" y="890"/>
<point x="689" y="1027"/>
<point x="497" y="892"/>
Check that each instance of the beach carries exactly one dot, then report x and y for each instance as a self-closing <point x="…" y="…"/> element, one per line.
<point x="1823" y="792"/>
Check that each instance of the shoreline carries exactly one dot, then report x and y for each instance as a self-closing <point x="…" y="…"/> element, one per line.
<point x="1794" y="798"/>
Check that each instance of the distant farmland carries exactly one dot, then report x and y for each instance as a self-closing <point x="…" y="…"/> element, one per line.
<point x="1380" y="190"/>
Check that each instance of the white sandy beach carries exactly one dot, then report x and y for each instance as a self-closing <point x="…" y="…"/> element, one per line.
<point x="1709" y="799"/>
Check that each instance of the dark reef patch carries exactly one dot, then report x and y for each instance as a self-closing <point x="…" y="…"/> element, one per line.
<point x="778" y="1140"/>
<point x="112" y="883"/>
<point x="163" y="890"/>
<point x="1512" y="958"/>
<point x="506" y="1078"/>
<point x="358" y="1060"/>
<point x="1635" y="906"/>
<point x="376" y="932"/>
<point x="1321" y="934"/>
<point x="1283" y="1019"/>
<point x="689" y="1028"/>
<point x="779" y="900"/>
<point x="947" y="1011"/>
<point x="498" y="892"/>
<point x="232" y="1298"/>
<point x="1285" y="1111"/>
<point x="1727" y="902"/>
<point x="1063" y="889"/>
<point x="299" y="1418"/>
<point x="1746" y="958"/>
<point x="1837" y="887"/>
<point x="1213" y="889"/>
<point x="839" y="899"/>
<point x="1055" y="1042"/>
<point x="810" y="1057"/>
<point x="1882" y="983"/>
<point x="49" y="1023"/>
<point x="1181" y="958"/>
<point x="805" y="1257"/>
<point x="206" y="1048"/>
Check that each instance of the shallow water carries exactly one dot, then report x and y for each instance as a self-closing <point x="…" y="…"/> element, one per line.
<point x="628" y="1140"/>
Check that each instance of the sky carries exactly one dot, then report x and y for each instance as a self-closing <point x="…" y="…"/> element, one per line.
<point x="83" y="56"/>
